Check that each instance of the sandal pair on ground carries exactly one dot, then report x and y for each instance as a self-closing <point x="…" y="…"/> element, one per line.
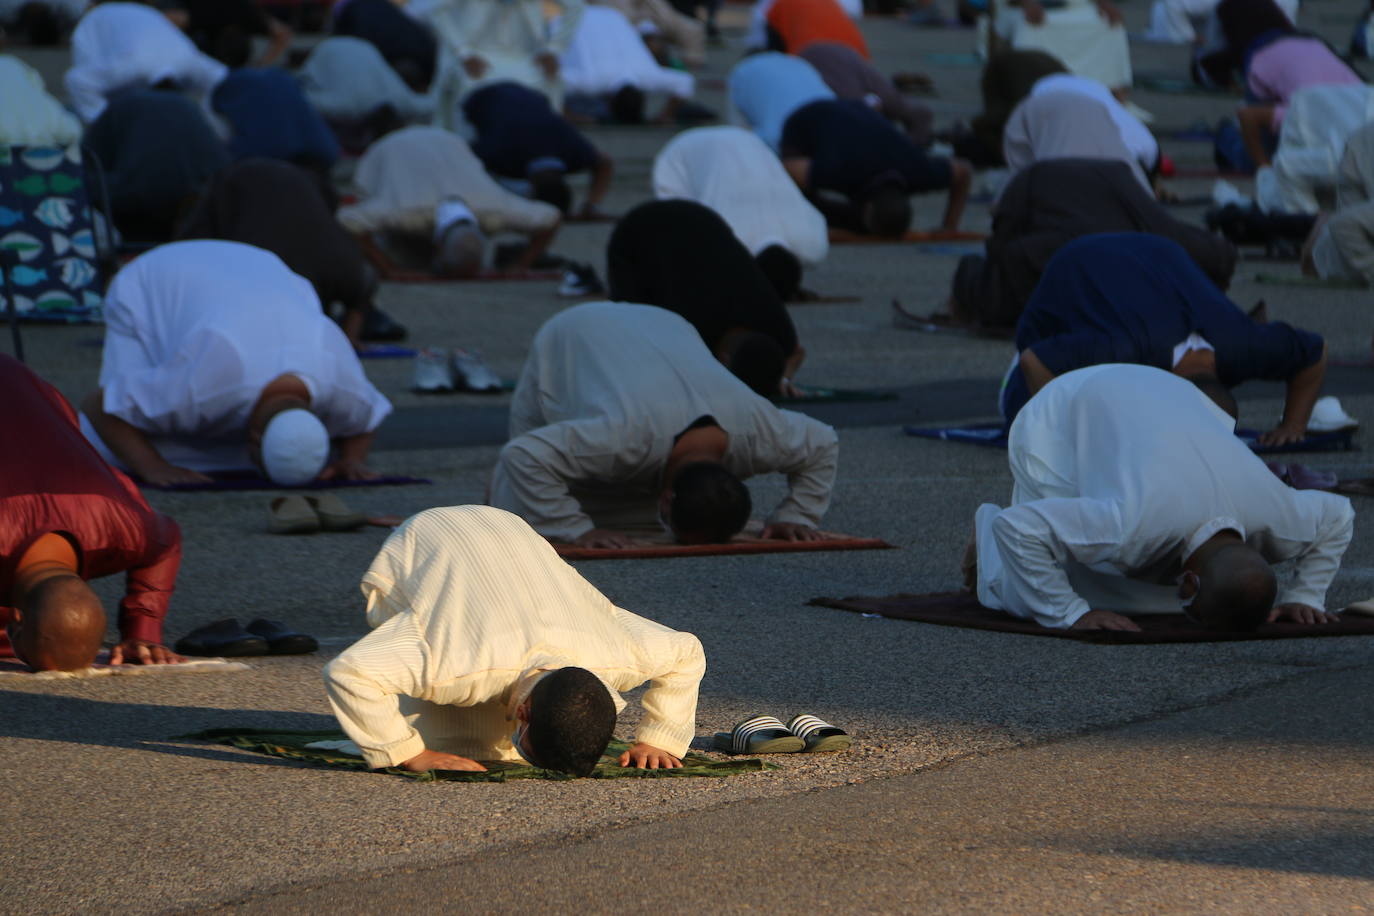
<point x="228" y="639"/>
<point x="297" y="514"/>
<point x="767" y="735"/>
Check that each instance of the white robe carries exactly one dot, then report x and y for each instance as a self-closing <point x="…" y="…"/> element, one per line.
<point x="607" y="54"/>
<point x="346" y="77"/>
<point x="1075" y="34"/>
<point x="733" y="172"/>
<point x="1319" y="121"/>
<point x="407" y="174"/>
<point x="117" y="45"/>
<point x="29" y="115"/>
<point x="194" y="332"/>
<point x="464" y="602"/>
<point x="1121" y="473"/>
<point x="607" y="388"/>
<point x="1134" y="133"/>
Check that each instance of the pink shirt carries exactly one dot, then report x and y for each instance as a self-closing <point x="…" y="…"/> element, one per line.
<point x="1282" y="68"/>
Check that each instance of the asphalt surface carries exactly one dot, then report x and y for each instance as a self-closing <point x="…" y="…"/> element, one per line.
<point x="990" y="772"/>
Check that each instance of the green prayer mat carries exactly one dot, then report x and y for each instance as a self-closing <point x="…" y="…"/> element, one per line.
<point x="1172" y="85"/>
<point x="292" y="746"/>
<point x="1310" y="282"/>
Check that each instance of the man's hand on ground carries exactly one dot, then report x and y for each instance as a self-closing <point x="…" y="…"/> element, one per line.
<point x="790" y="531"/>
<point x="1105" y="620"/>
<point x="475" y="65"/>
<point x="648" y="757"/>
<point x="548" y="62"/>
<point x="425" y="761"/>
<point x="342" y="469"/>
<point x="789" y="389"/>
<point x="168" y="475"/>
<point x="1283" y="435"/>
<point x="1301" y="613"/>
<point x="599" y="537"/>
<point x="141" y="652"/>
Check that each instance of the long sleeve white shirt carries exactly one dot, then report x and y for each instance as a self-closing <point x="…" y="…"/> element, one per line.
<point x="1121" y="473"/>
<point x="607" y="53"/>
<point x="464" y="602"/>
<point x="733" y="172"/>
<point x="117" y="45"/>
<point x="608" y="387"/>
<point x="515" y="28"/>
<point x="406" y="174"/>
<point x="195" y="330"/>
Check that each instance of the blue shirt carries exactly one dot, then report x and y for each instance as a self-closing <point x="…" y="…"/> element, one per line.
<point x="766" y="88"/>
<point x="1131" y="297"/>
<point x="272" y="118"/>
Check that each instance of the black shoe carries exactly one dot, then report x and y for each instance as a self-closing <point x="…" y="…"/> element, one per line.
<point x="379" y="328"/>
<point x="581" y="280"/>
<point x="281" y="639"/>
<point x="224" y="639"/>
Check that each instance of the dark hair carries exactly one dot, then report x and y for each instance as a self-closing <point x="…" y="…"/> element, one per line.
<point x="1211" y="386"/>
<point x="40" y="23"/>
<point x="1244" y="21"/>
<point x="710" y="505"/>
<point x="783" y="270"/>
<point x="887" y="211"/>
<point x="1237" y="591"/>
<point x="551" y="187"/>
<point x="232" y="46"/>
<point x="757" y="360"/>
<point x="572" y="718"/>
<point x="627" y="105"/>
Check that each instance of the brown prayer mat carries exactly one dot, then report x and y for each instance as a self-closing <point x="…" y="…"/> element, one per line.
<point x="1362" y="486"/>
<point x="961" y="609"/>
<point x="740" y="545"/>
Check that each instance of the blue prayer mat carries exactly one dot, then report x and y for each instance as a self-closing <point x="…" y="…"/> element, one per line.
<point x="994" y="435"/>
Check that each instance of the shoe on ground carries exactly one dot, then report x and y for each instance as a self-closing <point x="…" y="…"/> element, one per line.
<point x="473" y="374"/>
<point x="379" y="327"/>
<point x="221" y="639"/>
<point x="281" y="639"/>
<point x="1328" y="417"/>
<point x="292" y="515"/>
<point x="333" y="514"/>
<point x="433" y="371"/>
<point x="581" y="280"/>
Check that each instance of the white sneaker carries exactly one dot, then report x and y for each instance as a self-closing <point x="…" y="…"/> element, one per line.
<point x="433" y="371"/>
<point x="472" y="373"/>
<point x="1328" y="416"/>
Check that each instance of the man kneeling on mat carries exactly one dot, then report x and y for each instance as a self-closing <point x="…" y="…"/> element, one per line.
<point x="485" y="645"/>
<point x="66" y="516"/>
<point x="624" y="421"/>
<point x="1133" y="494"/>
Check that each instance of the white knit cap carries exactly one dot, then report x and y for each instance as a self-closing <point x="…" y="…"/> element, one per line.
<point x="295" y="447"/>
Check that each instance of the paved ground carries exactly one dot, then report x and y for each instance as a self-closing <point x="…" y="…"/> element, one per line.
<point x="996" y="772"/>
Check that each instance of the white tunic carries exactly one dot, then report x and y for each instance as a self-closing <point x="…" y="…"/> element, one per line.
<point x="1134" y="133"/>
<point x="463" y="603"/>
<point x="1076" y="34"/>
<point x="733" y="172"/>
<point x="29" y="115"/>
<point x="1121" y="473"/>
<point x="1312" y="138"/>
<point x="607" y="54"/>
<point x="407" y="173"/>
<point x="117" y="45"/>
<point x="606" y="390"/>
<point x="194" y="332"/>
<point x="346" y="77"/>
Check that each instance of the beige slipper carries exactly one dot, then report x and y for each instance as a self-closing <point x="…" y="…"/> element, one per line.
<point x="292" y="515"/>
<point x="333" y="514"/>
<point x="1365" y="607"/>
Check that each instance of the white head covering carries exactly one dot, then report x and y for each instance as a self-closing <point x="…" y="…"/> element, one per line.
<point x="295" y="447"/>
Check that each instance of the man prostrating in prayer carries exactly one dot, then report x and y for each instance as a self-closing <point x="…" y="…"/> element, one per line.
<point x="624" y="421"/>
<point x="1133" y="494"/>
<point x="485" y="645"/>
<point x="66" y="516"/>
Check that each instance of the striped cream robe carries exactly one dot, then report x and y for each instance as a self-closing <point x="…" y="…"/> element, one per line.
<point x="463" y="603"/>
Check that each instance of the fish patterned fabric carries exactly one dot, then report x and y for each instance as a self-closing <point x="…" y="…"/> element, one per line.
<point x="47" y="219"/>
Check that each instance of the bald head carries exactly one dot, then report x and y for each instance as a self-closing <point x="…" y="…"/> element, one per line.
<point x="60" y="625"/>
<point x="1237" y="591"/>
